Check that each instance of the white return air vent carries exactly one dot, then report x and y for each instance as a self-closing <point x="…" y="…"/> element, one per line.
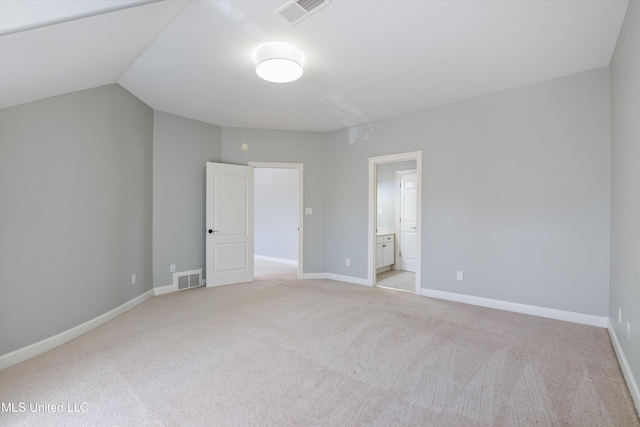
<point x="187" y="279"/>
<point x="297" y="10"/>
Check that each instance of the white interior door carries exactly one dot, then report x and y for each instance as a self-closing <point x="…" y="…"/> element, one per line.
<point x="407" y="240"/>
<point x="229" y="222"/>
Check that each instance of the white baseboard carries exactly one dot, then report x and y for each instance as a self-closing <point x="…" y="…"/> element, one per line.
<point x="161" y="290"/>
<point x="314" y="276"/>
<point x="338" y="277"/>
<point x="348" y="279"/>
<point x="280" y="260"/>
<point x="25" y="353"/>
<point x="624" y="366"/>
<point x="551" y="313"/>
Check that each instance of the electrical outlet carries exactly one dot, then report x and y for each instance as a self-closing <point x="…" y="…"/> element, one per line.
<point x="628" y="330"/>
<point x="348" y="262"/>
<point x="619" y="315"/>
<point x="459" y="275"/>
<point x="172" y="268"/>
<point x="133" y="279"/>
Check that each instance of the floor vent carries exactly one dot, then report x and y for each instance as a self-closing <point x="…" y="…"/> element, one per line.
<point x="297" y="10"/>
<point x="187" y="279"/>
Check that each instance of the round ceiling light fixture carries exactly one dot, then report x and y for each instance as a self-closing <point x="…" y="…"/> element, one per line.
<point x="279" y="62"/>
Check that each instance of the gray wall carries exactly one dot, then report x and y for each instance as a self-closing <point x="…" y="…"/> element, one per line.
<point x="75" y="211"/>
<point x="276" y="213"/>
<point x="387" y="194"/>
<point x="181" y="147"/>
<point x="308" y="148"/>
<point x="516" y="190"/>
<point x="625" y="187"/>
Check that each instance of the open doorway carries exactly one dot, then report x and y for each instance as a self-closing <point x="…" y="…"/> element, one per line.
<point x="396" y="225"/>
<point x="395" y="194"/>
<point x="278" y="217"/>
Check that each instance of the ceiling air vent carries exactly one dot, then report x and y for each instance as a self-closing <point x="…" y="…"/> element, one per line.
<point x="297" y="10"/>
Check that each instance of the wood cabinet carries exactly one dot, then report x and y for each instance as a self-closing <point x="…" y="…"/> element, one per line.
<point x="385" y="250"/>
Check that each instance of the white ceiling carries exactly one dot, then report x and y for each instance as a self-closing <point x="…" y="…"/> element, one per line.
<point x="20" y="15"/>
<point x="365" y="60"/>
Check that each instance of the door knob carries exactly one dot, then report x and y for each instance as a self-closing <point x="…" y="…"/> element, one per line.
<point x="212" y="231"/>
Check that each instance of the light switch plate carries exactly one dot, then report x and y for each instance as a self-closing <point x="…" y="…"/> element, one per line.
<point x="308" y="211"/>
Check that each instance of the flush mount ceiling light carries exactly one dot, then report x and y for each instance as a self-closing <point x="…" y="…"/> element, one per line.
<point x="279" y="62"/>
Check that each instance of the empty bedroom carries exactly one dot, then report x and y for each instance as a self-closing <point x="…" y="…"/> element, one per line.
<point x="320" y="212"/>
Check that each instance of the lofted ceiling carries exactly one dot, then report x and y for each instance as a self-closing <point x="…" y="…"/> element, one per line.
<point x="364" y="60"/>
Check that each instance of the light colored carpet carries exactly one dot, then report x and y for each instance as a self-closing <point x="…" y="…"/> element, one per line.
<point x="283" y="352"/>
<point x="397" y="279"/>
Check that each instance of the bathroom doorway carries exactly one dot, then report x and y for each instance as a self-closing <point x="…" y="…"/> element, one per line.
<point x="394" y="221"/>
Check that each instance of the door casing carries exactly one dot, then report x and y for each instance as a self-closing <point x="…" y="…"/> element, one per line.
<point x="373" y="219"/>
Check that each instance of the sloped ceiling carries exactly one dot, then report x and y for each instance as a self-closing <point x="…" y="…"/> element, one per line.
<point x="78" y="54"/>
<point x="365" y="60"/>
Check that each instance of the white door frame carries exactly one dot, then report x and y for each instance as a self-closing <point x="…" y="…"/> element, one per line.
<point x="300" y="168"/>
<point x="373" y="213"/>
